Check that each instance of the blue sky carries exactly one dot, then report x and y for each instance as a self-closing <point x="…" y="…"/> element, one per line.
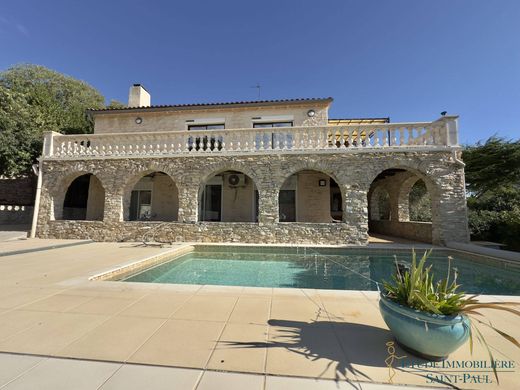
<point x="408" y="60"/>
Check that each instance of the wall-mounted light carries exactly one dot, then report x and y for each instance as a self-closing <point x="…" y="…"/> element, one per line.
<point x="322" y="183"/>
<point x="311" y="113"/>
<point x="138" y="120"/>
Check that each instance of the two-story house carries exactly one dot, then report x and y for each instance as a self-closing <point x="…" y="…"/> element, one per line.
<point x="278" y="171"/>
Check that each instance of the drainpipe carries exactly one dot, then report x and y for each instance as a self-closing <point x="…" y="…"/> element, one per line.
<point x="46" y="152"/>
<point x="37" y="200"/>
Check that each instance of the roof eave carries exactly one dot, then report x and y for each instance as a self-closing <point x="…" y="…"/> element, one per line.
<point x="212" y="106"/>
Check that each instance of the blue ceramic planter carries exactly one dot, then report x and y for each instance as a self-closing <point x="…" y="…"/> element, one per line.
<point x="430" y="336"/>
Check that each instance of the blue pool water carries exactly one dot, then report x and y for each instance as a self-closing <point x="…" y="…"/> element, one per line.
<point x="329" y="269"/>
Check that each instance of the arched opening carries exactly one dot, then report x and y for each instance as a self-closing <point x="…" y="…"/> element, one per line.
<point x="379" y="209"/>
<point x="229" y="196"/>
<point x="84" y="199"/>
<point x="400" y="205"/>
<point x="419" y="201"/>
<point x="154" y="197"/>
<point x="310" y="196"/>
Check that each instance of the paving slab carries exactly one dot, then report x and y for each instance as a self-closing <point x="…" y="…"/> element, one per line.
<point x="138" y="377"/>
<point x="230" y="381"/>
<point x="12" y="366"/>
<point x="183" y="343"/>
<point x="27" y="245"/>
<point x="64" y="374"/>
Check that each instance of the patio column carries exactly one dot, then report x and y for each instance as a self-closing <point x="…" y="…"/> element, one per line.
<point x="355" y="211"/>
<point x="113" y="206"/>
<point x="58" y="200"/>
<point x="268" y="206"/>
<point x="188" y="203"/>
<point x="449" y="213"/>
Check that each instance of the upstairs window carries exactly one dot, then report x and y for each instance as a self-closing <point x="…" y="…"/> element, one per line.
<point x="274" y="140"/>
<point x="216" y="126"/>
<point x="272" y="124"/>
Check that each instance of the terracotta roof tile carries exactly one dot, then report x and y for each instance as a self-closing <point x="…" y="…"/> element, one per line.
<point x="202" y="105"/>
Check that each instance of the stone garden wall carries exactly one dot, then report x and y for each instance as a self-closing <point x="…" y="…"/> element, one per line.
<point x="417" y="231"/>
<point x="236" y="232"/>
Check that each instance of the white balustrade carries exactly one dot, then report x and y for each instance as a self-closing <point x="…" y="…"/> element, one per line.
<point x="258" y="140"/>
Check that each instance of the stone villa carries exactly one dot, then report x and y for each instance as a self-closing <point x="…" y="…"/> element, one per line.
<point x="277" y="171"/>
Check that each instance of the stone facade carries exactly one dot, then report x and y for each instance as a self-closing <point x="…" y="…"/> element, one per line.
<point x="236" y="118"/>
<point x="354" y="172"/>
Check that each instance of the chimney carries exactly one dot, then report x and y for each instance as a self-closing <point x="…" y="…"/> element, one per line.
<point x="138" y="96"/>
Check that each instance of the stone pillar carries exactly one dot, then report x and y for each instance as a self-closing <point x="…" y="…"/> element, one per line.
<point x="114" y="207"/>
<point x="188" y="203"/>
<point x="393" y="193"/>
<point x="45" y="214"/>
<point x="57" y="206"/>
<point x="373" y="204"/>
<point x="95" y="200"/>
<point x="268" y="206"/>
<point x="355" y="211"/>
<point x="449" y="213"/>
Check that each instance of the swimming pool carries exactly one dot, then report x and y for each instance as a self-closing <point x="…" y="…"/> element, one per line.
<point x="323" y="268"/>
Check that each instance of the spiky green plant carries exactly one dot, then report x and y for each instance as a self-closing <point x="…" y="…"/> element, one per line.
<point x="416" y="288"/>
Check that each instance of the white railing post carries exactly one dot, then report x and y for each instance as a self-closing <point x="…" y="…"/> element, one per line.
<point x="452" y="126"/>
<point x="48" y="143"/>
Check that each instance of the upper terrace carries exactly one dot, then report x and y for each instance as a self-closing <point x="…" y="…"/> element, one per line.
<point x="251" y="127"/>
<point x="441" y="134"/>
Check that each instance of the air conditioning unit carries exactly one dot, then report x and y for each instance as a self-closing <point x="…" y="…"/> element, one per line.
<point x="236" y="180"/>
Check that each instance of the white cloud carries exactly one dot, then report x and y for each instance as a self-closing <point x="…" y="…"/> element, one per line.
<point x="11" y="24"/>
<point x="20" y="27"/>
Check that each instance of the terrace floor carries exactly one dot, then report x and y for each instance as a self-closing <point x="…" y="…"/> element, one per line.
<point x="114" y="334"/>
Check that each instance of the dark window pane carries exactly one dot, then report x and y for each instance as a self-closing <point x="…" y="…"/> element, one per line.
<point x="287" y="201"/>
<point x="272" y="124"/>
<point x="145" y="197"/>
<point x="206" y="127"/>
<point x="282" y="124"/>
<point x="133" y="205"/>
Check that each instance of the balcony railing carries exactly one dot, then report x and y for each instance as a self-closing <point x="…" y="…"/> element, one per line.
<point x="441" y="133"/>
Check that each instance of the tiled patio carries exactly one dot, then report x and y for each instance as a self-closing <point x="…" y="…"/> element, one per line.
<point x="49" y="308"/>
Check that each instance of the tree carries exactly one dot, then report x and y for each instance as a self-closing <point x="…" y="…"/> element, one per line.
<point x="18" y="140"/>
<point x="492" y="164"/>
<point x="35" y="99"/>
<point x="116" y="104"/>
<point x="493" y="179"/>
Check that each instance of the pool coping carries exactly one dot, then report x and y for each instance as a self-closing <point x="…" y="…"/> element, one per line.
<point x="126" y="268"/>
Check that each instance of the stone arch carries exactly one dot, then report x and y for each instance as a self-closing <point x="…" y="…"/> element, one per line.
<point x="228" y="194"/>
<point x="151" y="194"/>
<point x="404" y="204"/>
<point x="312" y="165"/>
<point x="79" y="196"/>
<point x="310" y="195"/>
<point x="412" y="166"/>
<point x="219" y="168"/>
<point x="397" y="181"/>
